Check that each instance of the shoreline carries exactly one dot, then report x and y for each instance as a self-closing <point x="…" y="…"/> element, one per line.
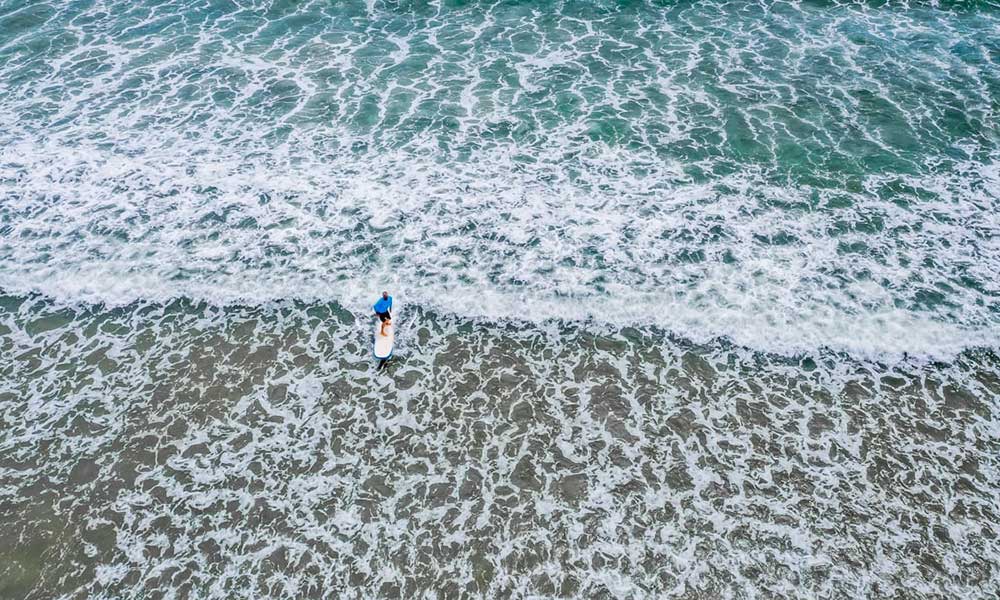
<point x="515" y="462"/>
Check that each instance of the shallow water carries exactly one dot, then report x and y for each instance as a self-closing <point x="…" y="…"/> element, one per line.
<point x="183" y="450"/>
<point x="695" y="299"/>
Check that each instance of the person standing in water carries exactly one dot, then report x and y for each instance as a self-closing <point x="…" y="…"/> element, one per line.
<point x="382" y="308"/>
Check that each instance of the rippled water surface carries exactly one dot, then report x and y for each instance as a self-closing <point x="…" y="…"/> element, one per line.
<point x="694" y="299"/>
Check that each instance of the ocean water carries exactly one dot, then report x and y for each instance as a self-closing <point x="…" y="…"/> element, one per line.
<point x="694" y="299"/>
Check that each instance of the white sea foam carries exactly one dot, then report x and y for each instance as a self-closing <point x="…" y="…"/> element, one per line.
<point x="97" y="227"/>
<point x="265" y="174"/>
<point x="620" y="181"/>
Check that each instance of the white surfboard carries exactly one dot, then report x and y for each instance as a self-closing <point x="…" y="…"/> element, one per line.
<point x="382" y="346"/>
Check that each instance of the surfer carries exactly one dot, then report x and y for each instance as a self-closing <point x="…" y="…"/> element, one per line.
<point x="382" y="348"/>
<point x="382" y="308"/>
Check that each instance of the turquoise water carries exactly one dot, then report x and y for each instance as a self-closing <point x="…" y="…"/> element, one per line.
<point x="786" y="175"/>
<point x="696" y="299"/>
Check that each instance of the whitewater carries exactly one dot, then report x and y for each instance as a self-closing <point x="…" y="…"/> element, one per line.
<point x="695" y="299"/>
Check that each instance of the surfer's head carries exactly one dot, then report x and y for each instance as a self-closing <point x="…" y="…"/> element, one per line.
<point x="385" y="295"/>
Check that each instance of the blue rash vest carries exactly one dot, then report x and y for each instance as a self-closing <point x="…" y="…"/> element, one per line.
<point x="383" y="305"/>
